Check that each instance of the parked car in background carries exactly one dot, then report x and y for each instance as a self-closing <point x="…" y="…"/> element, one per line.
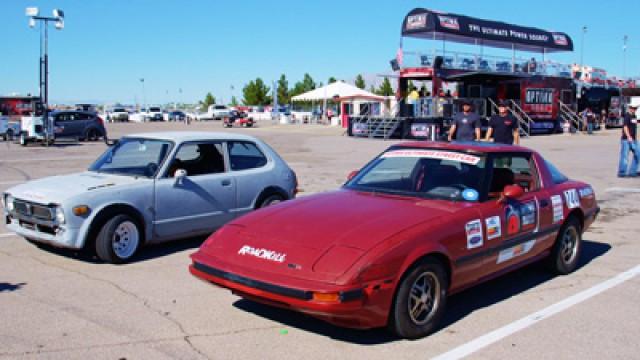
<point x="238" y="118"/>
<point x="150" y="188"/>
<point x="175" y="115"/>
<point x="118" y="114"/>
<point x="423" y="220"/>
<point x="83" y="125"/>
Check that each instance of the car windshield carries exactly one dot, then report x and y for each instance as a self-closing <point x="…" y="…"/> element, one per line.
<point x="427" y="173"/>
<point x="133" y="157"/>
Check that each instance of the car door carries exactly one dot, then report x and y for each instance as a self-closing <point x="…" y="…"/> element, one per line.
<point x="200" y="202"/>
<point x="252" y="172"/>
<point x="515" y="228"/>
<point x="64" y="125"/>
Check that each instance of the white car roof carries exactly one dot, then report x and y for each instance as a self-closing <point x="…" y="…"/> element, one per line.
<point x="181" y="136"/>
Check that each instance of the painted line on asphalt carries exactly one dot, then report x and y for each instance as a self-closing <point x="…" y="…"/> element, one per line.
<point x="7" y="235"/>
<point x="13" y="161"/>
<point x="623" y="190"/>
<point x="498" y="334"/>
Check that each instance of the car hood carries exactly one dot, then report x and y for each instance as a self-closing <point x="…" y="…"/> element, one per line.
<point x="320" y="237"/>
<point x="56" y="189"/>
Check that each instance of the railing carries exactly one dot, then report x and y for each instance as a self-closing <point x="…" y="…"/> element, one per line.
<point x="571" y="117"/>
<point x="486" y="63"/>
<point x="376" y="126"/>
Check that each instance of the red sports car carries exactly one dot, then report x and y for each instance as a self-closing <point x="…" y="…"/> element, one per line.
<point x="418" y="223"/>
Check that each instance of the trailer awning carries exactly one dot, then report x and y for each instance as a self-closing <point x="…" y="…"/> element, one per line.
<point x="480" y="75"/>
<point x="434" y="25"/>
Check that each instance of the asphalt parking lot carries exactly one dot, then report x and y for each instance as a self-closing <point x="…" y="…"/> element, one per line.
<point x="56" y="304"/>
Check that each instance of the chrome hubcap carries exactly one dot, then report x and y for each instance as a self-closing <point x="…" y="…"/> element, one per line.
<point x="423" y="298"/>
<point x="125" y="239"/>
<point x="569" y="248"/>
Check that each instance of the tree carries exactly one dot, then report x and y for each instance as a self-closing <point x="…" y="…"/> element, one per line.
<point x="256" y="93"/>
<point x="307" y="84"/>
<point x="283" y="90"/>
<point x="209" y="99"/>
<point x="360" y="82"/>
<point x="331" y="80"/>
<point x="234" y="101"/>
<point x="385" y="88"/>
<point x="372" y="89"/>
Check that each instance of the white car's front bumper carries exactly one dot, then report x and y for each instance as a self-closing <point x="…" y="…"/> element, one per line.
<point x="60" y="236"/>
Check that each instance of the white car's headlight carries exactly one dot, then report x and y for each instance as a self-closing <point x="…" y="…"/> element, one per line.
<point x="8" y="203"/>
<point x="59" y="215"/>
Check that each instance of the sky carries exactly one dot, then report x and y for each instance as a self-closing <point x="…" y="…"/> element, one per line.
<point x="184" y="49"/>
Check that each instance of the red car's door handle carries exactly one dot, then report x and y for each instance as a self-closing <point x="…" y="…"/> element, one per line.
<point x="544" y="203"/>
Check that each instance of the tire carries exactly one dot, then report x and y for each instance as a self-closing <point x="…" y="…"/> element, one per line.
<point x="92" y="135"/>
<point x="423" y="289"/>
<point x="270" y="200"/>
<point x="566" y="250"/>
<point x="118" y="239"/>
<point x="23" y="140"/>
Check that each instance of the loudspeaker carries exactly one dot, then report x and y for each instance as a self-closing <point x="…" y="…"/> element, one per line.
<point x="394" y="65"/>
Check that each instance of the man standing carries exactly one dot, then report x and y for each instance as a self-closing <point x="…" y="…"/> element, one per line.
<point x="466" y="125"/>
<point x="628" y="144"/>
<point x="503" y="127"/>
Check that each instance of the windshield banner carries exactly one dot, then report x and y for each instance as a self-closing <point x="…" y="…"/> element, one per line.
<point x="434" y="154"/>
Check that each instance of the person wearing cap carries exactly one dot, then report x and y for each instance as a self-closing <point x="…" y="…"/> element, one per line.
<point x="503" y="127"/>
<point x="466" y="125"/>
<point x="628" y="144"/>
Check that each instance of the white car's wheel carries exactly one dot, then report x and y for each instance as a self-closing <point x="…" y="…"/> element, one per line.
<point x="23" y="140"/>
<point x="118" y="239"/>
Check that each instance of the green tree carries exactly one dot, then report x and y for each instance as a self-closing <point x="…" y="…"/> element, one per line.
<point x="372" y="89"/>
<point x="209" y="99"/>
<point x="360" y="82"/>
<point x="256" y="92"/>
<point x="385" y="88"/>
<point x="331" y="80"/>
<point x="234" y="101"/>
<point x="307" y="84"/>
<point x="283" y="90"/>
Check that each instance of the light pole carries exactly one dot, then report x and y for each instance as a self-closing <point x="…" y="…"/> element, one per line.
<point x="584" y="31"/>
<point x="58" y="18"/>
<point x="144" y="97"/>
<point x="624" y="56"/>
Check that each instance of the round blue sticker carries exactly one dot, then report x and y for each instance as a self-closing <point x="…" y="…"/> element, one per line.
<point x="470" y="195"/>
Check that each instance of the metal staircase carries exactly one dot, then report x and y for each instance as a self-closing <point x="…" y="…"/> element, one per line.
<point x="567" y="114"/>
<point x="524" y="120"/>
<point x="376" y="126"/>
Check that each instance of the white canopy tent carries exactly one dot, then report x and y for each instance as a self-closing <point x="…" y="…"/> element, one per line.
<point x="337" y="89"/>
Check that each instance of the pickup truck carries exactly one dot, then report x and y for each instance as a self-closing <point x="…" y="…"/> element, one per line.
<point x="215" y="112"/>
<point x="152" y="113"/>
<point x="118" y="114"/>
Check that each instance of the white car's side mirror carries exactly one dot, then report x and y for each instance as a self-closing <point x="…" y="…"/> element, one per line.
<point x="179" y="175"/>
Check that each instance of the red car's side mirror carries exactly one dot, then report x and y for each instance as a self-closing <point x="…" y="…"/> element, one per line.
<point x="512" y="191"/>
<point x="352" y="175"/>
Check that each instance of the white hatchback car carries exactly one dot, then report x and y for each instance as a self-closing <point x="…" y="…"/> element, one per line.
<point x="150" y="188"/>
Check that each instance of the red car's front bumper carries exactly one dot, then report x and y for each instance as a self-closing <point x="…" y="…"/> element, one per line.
<point x="363" y="307"/>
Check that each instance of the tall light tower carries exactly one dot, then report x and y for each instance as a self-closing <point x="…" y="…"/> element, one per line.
<point x="144" y="96"/>
<point x="584" y="31"/>
<point x="624" y="56"/>
<point x="58" y="18"/>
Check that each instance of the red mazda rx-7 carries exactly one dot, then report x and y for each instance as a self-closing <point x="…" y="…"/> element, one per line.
<point x="419" y="222"/>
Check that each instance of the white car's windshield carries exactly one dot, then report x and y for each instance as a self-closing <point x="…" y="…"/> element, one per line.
<point x="134" y="157"/>
<point x="429" y="173"/>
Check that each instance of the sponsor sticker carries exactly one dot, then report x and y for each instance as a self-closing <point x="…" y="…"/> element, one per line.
<point x="470" y="195"/>
<point x="449" y="22"/>
<point x="513" y="220"/>
<point x="572" y="199"/>
<point x="434" y="154"/>
<point x="416" y="21"/>
<point x="494" y="228"/>
<point x="528" y="213"/>
<point x="262" y="253"/>
<point x="558" y="209"/>
<point x="474" y="234"/>
<point x="586" y="192"/>
<point x="560" y="39"/>
<point x="515" y="251"/>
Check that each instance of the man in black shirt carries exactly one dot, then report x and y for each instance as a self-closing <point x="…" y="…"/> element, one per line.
<point x="503" y="127"/>
<point x="466" y="125"/>
<point x="628" y="144"/>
